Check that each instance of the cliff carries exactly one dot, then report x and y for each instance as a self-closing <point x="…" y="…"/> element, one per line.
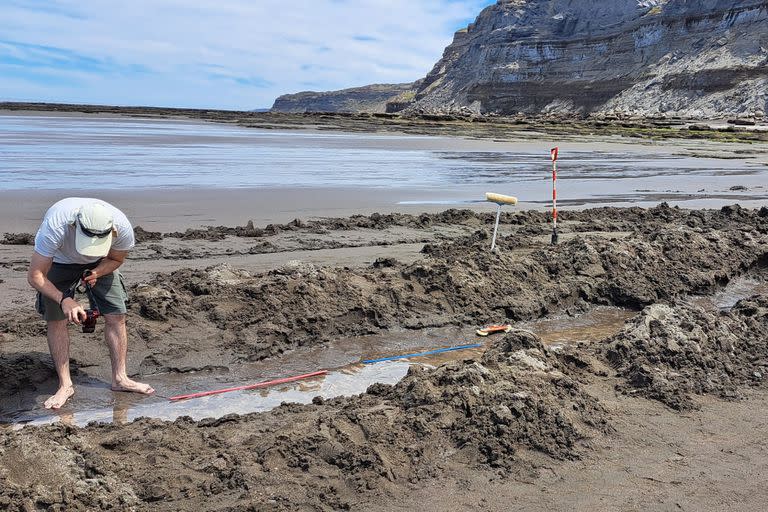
<point x="371" y="98"/>
<point x="702" y="58"/>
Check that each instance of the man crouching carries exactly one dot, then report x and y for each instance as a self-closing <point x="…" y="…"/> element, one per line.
<point x="79" y="235"/>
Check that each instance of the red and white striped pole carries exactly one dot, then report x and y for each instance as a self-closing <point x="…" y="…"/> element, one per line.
<point x="553" y="154"/>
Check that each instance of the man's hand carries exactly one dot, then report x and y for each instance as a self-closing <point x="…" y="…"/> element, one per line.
<point x="73" y="311"/>
<point x="91" y="278"/>
<point x="106" y="266"/>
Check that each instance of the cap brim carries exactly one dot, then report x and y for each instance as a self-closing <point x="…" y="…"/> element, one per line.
<point x="92" y="246"/>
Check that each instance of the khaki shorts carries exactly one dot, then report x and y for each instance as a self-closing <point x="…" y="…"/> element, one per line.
<point x="109" y="291"/>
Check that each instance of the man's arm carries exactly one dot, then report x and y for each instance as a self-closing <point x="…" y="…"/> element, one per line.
<point x="107" y="265"/>
<point x="37" y="278"/>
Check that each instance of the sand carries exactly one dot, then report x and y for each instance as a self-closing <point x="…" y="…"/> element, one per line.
<point x="660" y="413"/>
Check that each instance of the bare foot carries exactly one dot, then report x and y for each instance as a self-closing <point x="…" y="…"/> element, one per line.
<point x="60" y="398"/>
<point x="132" y="386"/>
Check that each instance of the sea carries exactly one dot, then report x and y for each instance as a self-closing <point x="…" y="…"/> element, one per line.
<point x="56" y="152"/>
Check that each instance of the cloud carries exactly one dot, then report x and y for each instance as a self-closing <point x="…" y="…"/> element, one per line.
<point x="237" y="54"/>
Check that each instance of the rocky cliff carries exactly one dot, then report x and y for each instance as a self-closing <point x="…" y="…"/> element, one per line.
<point x="691" y="58"/>
<point x="371" y="98"/>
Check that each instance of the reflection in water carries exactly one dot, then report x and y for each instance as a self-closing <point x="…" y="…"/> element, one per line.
<point x="740" y="288"/>
<point x="598" y="324"/>
<point x="94" y="401"/>
<point x="351" y="381"/>
<point x="43" y="151"/>
<point x="65" y="417"/>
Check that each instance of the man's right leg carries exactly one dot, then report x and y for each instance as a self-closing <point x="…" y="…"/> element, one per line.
<point x="58" y="344"/>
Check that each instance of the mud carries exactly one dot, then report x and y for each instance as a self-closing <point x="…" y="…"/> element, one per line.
<point x="475" y="413"/>
<point x="183" y="320"/>
<point x="669" y="353"/>
<point x="514" y="413"/>
<point x="458" y="283"/>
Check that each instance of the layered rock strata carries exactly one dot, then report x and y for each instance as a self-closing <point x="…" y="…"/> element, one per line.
<point x="637" y="57"/>
<point x="371" y="98"/>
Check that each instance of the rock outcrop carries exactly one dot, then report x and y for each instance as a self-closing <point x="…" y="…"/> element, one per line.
<point x="638" y="57"/>
<point x="648" y="58"/>
<point x="371" y="98"/>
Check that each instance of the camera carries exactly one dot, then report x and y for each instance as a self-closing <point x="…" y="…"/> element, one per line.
<point x="89" y="324"/>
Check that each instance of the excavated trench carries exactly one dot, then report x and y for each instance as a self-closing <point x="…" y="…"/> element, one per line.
<point x="673" y="308"/>
<point x="343" y="358"/>
<point x="347" y="374"/>
<point x="239" y="328"/>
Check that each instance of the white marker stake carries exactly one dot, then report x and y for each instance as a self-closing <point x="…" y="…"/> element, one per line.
<point x="500" y="200"/>
<point x="496" y="228"/>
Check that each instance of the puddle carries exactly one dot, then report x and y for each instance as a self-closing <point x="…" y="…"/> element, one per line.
<point x="597" y="324"/>
<point x="347" y="376"/>
<point x="94" y="401"/>
<point x="349" y="381"/>
<point x="755" y="283"/>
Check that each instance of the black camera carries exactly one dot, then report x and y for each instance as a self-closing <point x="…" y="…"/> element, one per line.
<point x="89" y="324"/>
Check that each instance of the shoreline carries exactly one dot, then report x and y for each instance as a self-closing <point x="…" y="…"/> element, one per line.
<point x="671" y="173"/>
<point x="169" y="210"/>
<point x="486" y="127"/>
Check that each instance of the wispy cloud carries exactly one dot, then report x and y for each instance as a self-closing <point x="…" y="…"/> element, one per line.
<point x="223" y="53"/>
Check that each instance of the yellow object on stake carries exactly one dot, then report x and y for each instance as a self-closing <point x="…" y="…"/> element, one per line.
<point x="500" y="200"/>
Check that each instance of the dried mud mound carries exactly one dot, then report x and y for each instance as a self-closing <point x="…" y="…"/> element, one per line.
<point x="532" y="222"/>
<point x="668" y="353"/>
<point x="526" y="222"/>
<point x="485" y="413"/>
<point x="26" y="371"/>
<point x="670" y="253"/>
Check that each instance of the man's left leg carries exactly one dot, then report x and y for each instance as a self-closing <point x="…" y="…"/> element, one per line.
<point x="116" y="336"/>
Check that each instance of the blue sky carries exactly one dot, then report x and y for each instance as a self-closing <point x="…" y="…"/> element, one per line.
<point x="231" y="54"/>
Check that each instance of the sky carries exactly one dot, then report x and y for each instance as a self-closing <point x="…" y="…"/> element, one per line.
<point x="226" y="54"/>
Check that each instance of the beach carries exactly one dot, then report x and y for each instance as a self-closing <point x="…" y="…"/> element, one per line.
<point x="632" y="378"/>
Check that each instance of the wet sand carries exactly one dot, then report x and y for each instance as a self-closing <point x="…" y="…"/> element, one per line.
<point x="169" y="210"/>
<point x="638" y="335"/>
<point x="107" y="161"/>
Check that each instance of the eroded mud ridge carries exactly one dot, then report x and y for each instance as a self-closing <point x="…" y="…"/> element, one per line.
<point x="498" y="413"/>
<point x="483" y="413"/>
<point x="668" y="353"/>
<point x="667" y="254"/>
<point x="505" y="413"/>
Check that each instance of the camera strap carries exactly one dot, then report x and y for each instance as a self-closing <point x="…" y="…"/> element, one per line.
<point x="73" y="288"/>
<point x="92" y="297"/>
<point x="81" y="286"/>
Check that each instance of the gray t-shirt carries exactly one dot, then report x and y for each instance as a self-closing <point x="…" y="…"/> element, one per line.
<point x="56" y="236"/>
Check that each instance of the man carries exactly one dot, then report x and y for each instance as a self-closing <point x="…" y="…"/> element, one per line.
<point x="78" y="235"/>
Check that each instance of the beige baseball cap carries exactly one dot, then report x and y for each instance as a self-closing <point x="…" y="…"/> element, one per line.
<point x="94" y="227"/>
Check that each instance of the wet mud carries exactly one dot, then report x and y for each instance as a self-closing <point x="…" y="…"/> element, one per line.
<point x="507" y="413"/>
<point x="672" y="253"/>
<point x="669" y="353"/>
<point x="477" y="413"/>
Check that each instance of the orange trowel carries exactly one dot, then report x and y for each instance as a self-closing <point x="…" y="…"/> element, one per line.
<point x="493" y="329"/>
